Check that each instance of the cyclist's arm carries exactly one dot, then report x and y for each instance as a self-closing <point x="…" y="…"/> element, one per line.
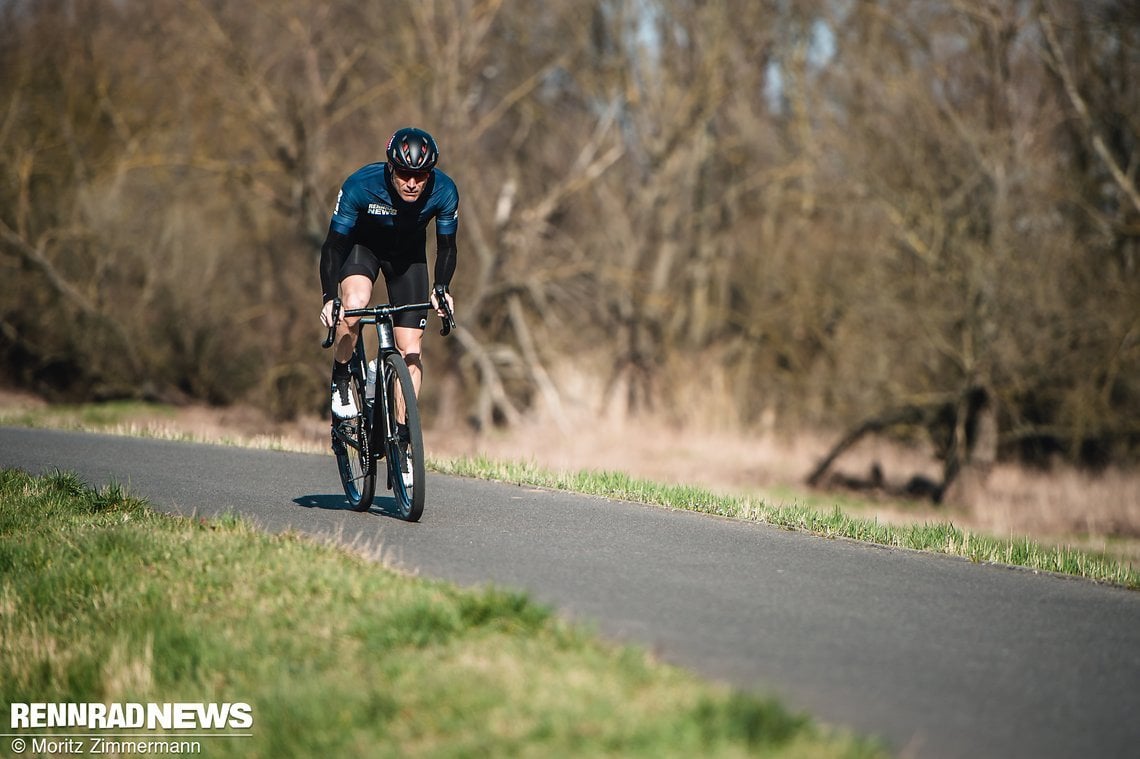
<point x="446" y="227"/>
<point x="334" y="251"/>
<point x="339" y="240"/>
<point x="445" y="255"/>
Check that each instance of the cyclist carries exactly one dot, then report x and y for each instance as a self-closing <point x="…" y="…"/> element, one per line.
<point x="379" y="226"/>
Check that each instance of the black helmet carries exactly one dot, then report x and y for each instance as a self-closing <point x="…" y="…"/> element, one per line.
<point x="412" y="149"/>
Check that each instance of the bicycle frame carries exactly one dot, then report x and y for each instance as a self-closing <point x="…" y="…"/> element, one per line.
<point x="381" y="318"/>
<point x="398" y="437"/>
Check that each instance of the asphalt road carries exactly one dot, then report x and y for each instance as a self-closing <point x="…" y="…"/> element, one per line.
<point x="936" y="656"/>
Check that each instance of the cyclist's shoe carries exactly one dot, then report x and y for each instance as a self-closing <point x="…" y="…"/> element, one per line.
<point x="403" y="439"/>
<point x="406" y="471"/>
<point x="343" y="401"/>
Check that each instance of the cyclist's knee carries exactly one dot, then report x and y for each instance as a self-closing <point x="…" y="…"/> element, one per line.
<point x="353" y="300"/>
<point x="355" y="291"/>
<point x="409" y="341"/>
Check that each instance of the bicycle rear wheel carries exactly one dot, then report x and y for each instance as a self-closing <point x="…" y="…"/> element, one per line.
<point x="405" y="451"/>
<point x="352" y="444"/>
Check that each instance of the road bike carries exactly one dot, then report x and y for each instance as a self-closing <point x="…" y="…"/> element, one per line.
<point x="387" y="425"/>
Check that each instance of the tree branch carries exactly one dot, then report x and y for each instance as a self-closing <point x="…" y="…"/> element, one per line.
<point x="1058" y="61"/>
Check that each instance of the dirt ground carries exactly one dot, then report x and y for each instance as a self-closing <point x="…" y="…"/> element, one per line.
<point x="1063" y="505"/>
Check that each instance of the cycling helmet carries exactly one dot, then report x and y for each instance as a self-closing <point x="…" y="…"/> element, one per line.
<point x="412" y="149"/>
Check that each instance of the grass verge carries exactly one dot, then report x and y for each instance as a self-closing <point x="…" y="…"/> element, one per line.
<point x="104" y="600"/>
<point x="939" y="537"/>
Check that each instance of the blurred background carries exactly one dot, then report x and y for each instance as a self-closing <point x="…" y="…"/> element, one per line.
<point x="915" y="219"/>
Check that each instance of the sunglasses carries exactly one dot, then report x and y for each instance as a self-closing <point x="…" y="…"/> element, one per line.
<point x="406" y="174"/>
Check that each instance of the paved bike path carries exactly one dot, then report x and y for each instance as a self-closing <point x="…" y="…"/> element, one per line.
<point x="938" y="656"/>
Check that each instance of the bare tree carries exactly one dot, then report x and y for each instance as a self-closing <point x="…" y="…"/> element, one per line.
<point x="792" y="214"/>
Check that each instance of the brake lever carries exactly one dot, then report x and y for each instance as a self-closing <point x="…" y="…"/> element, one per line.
<point x="332" y="330"/>
<point x="448" y="319"/>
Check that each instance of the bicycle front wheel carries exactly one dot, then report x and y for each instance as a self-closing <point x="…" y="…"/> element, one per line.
<point x="352" y="443"/>
<point x="405" y="446"/>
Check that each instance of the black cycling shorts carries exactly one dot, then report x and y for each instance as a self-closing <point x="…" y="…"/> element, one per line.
<point x="406" y="279"/>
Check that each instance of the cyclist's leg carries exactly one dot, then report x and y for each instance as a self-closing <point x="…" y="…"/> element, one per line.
<point x="356" y="279"/>
<point x="355" y="292"/>
<point x="409" y="340"/>
<point x="407" y="282"/>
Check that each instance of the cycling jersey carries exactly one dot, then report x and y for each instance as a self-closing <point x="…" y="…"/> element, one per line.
<point x="365" y="206"/>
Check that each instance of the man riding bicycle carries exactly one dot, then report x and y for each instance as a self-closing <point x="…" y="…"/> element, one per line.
<point x="379" y="226"/>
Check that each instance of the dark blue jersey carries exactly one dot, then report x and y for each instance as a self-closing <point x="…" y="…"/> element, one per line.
<point x="365" y="208"/>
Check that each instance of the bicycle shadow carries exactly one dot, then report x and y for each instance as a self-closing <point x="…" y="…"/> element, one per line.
<point x="383" y="506"/>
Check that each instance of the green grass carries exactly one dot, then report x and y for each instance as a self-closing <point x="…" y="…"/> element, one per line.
<point x="103" y="599"/>
<point x="938" y="537"/>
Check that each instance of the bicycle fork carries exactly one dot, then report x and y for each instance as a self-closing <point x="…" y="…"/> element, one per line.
<point x="384" y="435"/>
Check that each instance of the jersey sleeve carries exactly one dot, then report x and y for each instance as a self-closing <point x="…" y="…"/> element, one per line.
<point x="447" y="218"/>
<point x="347" y="207"/>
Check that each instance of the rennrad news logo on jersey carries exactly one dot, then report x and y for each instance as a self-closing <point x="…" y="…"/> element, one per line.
<point x="149" y="716"/>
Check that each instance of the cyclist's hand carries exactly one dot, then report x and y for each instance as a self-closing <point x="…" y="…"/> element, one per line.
<point x="327" y="313"/>
<point x="439" y="307"/>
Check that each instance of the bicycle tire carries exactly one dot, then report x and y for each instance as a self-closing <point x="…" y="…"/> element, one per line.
<point x="409" y="498"/>
<point x="353" y="447"/>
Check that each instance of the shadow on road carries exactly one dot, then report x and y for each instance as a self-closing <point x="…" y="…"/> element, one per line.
<point x="327" y="502"/>
<point x="381" y="506"/>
